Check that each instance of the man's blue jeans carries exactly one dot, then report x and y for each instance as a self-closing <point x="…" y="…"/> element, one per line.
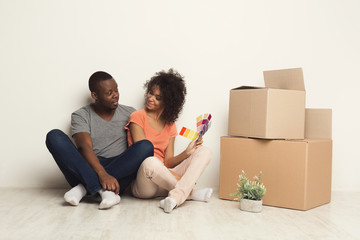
<point x="76" y="169"/>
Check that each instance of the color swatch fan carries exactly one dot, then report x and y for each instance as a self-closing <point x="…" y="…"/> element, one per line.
<point x="203" y="123"/>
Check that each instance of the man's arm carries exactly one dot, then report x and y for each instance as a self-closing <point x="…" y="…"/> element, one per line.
<point x="84" y="144"/>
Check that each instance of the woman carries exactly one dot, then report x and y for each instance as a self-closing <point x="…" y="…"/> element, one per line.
<point x="165" y="174"/>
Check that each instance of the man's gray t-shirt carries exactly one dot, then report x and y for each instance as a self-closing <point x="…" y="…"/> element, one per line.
<point x="108" y="138"/>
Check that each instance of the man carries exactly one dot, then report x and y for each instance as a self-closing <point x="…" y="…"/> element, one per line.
<point x="100" y="163"/>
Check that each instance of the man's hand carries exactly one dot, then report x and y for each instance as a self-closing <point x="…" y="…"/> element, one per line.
<point x="84" y="144"/>
<point x="109" y="183"/>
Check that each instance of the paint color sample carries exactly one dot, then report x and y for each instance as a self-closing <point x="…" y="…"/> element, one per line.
<point x="182" y="131"/>
<point x="191" y="134"/>
<point x="195" y="136"/>
<point x="186" y="133"/>
<point x="203" y="124"/>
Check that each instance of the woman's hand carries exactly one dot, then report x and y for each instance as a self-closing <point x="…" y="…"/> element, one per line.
<point x="193" y="145"/>
<point x="108" y="182"/>
<point x="170" y="161"/>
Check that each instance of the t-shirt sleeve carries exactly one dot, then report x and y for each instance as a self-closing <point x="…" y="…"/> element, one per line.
<point x="136" y="117"/>
<point x="127" y="109"/>
<point x="79" y="122"/>
<point x="173" y="131"/>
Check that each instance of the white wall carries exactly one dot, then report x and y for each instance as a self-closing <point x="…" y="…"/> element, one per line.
<point x="48" y="50"/>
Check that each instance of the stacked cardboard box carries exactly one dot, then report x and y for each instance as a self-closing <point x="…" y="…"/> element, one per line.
<point x="271" y="131"/>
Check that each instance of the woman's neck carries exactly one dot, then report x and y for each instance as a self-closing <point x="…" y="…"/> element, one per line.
<point x="154" y="119"/>
<point x="156" y="115"/>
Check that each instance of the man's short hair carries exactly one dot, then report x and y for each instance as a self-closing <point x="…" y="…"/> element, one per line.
<point x="97" y="77"/>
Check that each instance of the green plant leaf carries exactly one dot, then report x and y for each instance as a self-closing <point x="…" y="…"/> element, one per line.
<point x="246" y="189"/>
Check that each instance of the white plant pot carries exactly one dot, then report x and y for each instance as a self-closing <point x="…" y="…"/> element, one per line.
<point x="251" y="205"/>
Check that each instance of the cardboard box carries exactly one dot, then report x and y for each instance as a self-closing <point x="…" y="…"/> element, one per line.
<point x="274" y="112"/>
<point x="296" y="173"/>
<point x="318" y="123"/>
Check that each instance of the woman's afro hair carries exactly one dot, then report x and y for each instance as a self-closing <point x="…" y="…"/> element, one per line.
<point x="172" y="89"/>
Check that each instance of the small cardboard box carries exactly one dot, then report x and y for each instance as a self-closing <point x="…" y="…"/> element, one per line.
<point x="318" y="123"/>
<point x="274" y="112"/>
<point x="296" y="173"/>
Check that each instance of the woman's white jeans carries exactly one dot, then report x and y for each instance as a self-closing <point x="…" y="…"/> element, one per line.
<point x="154" y="179"/>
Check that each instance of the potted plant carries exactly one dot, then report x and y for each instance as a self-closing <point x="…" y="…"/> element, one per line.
<point x="250" y="193"/>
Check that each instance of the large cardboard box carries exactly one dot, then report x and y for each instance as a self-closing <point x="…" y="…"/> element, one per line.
<point x="274" y="112"/>
<point x="296" y="173"/>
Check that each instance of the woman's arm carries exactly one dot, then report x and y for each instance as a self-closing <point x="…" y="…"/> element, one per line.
<point x="171" y="161"/>
<point x="137" y="133"/>
<point x="85" y="146"/>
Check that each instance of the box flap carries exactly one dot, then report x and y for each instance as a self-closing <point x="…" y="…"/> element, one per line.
<point x="318" y="123"/>
<point x="246" y="87"/>
<point x="290" y="79"/>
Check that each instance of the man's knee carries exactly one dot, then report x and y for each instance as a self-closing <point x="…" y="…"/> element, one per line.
<point x="146" y="147"/>
<point x="53" y="136"/>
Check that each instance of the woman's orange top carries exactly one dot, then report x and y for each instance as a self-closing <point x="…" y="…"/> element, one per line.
<point x="160" y="139"/>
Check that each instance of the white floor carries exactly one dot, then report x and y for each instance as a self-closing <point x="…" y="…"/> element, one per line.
<point x="42" y="214"/>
